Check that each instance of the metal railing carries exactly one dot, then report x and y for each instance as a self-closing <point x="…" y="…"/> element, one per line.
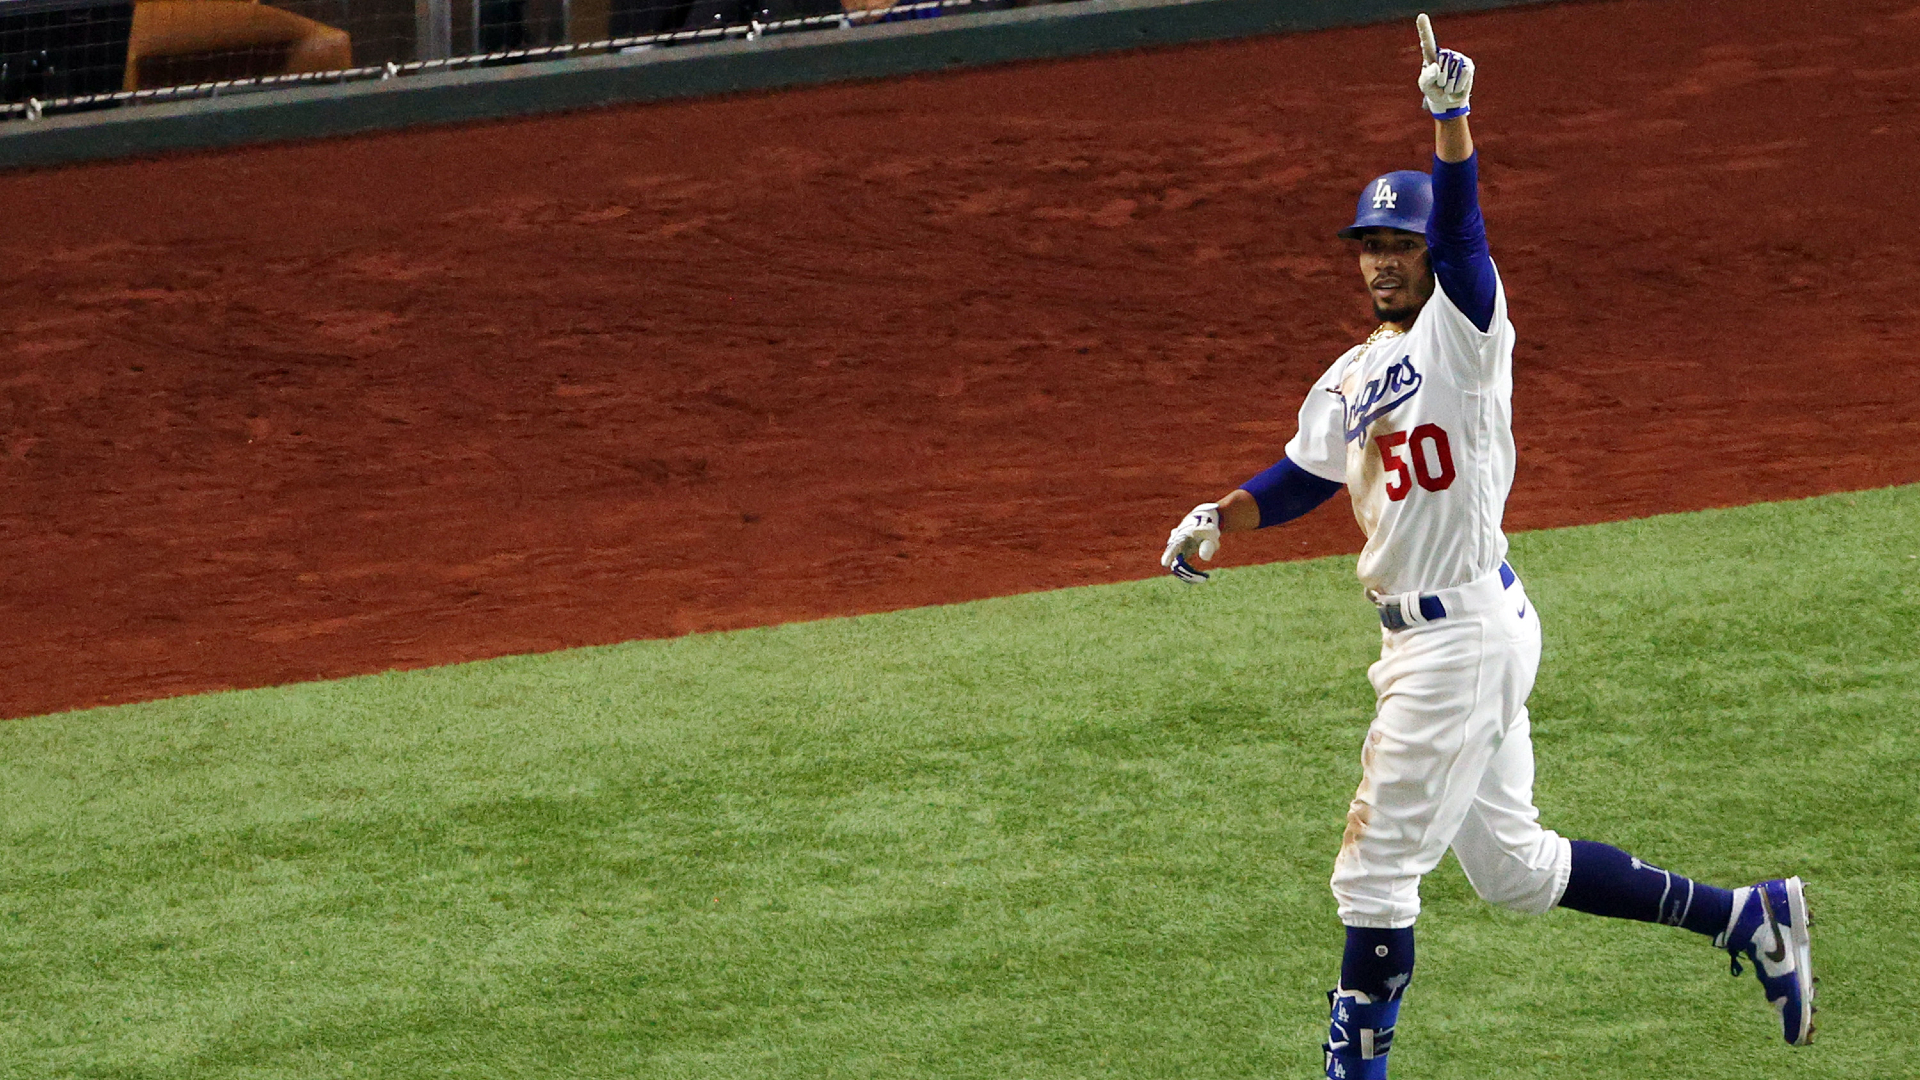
<point x="61" y="56"/>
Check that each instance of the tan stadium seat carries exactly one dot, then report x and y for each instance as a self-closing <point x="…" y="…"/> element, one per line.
<point x="179" y="42"/>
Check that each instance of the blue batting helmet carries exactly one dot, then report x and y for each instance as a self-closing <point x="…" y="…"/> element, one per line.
<point x="1398" y="200"/>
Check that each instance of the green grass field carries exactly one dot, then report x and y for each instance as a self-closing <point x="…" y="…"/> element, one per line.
<point x="1066" y="835"/>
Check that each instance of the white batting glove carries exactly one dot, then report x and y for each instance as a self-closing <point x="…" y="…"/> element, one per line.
<point x="1197" y="534"/>
<point x="1446" y="77"/>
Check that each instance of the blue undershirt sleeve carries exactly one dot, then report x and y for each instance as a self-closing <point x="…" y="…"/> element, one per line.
<point x="1457" y="240"/>
<point x="1285" y="491"/>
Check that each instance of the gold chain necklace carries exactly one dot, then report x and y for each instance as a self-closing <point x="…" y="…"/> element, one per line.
<point x="1381" y="333"/>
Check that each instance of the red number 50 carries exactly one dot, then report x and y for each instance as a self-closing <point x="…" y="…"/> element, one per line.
<point x="1431" y="465"/>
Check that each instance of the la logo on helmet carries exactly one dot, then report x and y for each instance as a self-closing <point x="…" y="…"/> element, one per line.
<point x="1384" y="195"/>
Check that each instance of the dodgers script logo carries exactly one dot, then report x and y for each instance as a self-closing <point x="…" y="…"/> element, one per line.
<point x="1379" y="397"/>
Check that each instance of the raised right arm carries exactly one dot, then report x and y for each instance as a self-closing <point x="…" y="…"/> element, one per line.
<point x="1456" y="233"/>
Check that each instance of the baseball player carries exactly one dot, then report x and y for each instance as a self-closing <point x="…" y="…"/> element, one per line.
<point x="1416" y="423"/>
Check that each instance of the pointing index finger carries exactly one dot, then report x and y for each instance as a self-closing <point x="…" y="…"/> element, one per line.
<point x="1429" y="49"/>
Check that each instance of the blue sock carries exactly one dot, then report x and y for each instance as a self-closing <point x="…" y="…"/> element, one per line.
<point x="1378" y="963"/>
<point x="1607" y="881"/>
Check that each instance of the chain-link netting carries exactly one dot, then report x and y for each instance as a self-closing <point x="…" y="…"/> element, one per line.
<point x="73" y="55"/>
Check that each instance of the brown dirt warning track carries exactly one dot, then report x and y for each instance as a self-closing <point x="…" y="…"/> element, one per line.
<point x="314" y="410"/>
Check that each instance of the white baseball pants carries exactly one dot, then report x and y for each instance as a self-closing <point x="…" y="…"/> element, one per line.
<point x="1448" y="762"/>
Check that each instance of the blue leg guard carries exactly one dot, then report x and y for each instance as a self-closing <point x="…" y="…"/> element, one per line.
<point x="1359" y="1034"/>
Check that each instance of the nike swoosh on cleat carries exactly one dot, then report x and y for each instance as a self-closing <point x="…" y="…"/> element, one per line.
<point x="1779" y="950"/>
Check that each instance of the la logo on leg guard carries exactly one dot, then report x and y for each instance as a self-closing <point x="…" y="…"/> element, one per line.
<point x="1359" y="1034"/>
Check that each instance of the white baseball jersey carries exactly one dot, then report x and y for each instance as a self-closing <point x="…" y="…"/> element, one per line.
<point x="1419" y="426"/>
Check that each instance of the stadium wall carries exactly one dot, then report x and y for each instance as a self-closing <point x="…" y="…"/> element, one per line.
<point x="769" y="62"/>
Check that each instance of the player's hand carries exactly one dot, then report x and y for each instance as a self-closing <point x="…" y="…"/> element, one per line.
<point x="1446" y="77"/>
<point x="1197" y="534"/>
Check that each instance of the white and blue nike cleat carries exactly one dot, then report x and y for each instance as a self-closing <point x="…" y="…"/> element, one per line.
<point x="1769" y="928"/>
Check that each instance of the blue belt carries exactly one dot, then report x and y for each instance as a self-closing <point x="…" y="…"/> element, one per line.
<point x="1431" y="609"/>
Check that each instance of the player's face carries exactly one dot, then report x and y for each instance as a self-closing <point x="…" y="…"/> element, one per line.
<point x="1399" y="279"/>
